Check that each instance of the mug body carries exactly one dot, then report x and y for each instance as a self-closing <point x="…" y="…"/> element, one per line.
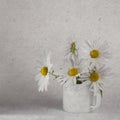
<point x="76" y="99"/>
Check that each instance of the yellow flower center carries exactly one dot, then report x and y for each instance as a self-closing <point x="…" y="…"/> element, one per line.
<point x="44" y="70"/>
<point x="94" y="76"/>
<point x="73" y="47"/>
<point x="73" y="71"/>
<point x="94" y="53"/>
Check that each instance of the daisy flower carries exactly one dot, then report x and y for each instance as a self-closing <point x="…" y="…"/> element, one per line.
<point x="43" y="74"/>
<point x="71" y="74"/>
<point x="96" y="77"/>
<point x="96" y="51"/>
<point x="71" y="52"/>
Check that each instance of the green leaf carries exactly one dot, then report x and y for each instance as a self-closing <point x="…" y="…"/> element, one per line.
<point x="101" y="92"/>
<point x="78" y="82"/>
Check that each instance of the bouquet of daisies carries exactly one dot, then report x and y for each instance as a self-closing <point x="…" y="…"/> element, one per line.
<point x="87" y="64"/>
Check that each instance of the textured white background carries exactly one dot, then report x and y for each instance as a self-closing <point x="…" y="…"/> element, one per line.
<point x="27" y="27"/>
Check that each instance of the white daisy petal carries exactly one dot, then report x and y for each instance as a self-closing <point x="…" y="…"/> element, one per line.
<point x="68" y="83"/>
<point x="89" y="44"/>
<point x="99" y="86"/>
<point x="95" y="89"/>
<point x="37" y="77"/>
<point x="91" y="88"/>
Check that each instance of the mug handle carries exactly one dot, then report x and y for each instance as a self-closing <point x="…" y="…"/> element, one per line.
<point x="97" y="99"/>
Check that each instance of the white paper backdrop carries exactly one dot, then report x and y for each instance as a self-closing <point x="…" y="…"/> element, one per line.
<point x="28" y="27"/>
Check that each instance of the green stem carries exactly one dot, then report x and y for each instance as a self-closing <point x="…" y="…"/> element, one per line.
<point x="53" y="74"/>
